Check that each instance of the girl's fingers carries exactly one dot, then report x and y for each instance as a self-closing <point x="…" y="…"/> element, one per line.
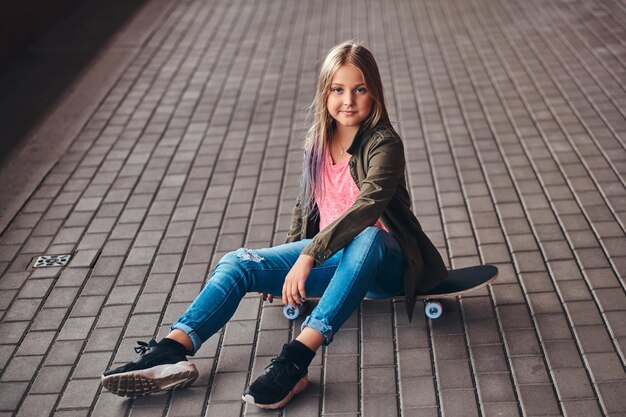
<point x="302" y="292"/>
<point x="287" y="295"/>
<point x="292" y="295"/>
<point x="296" y="298"/>
<point x="267" y="297"/>
<point x="293" y="292"/>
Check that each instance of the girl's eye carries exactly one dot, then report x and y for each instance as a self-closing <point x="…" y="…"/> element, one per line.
<point x="360" y="90"/>
<point x="337" y="89"/>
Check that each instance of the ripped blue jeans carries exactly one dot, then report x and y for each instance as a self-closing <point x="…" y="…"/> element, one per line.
<point x="371" y="265"/>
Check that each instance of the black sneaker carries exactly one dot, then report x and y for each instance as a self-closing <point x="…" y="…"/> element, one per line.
<point x="276" y="387"/>
<point x="156" y="369"/>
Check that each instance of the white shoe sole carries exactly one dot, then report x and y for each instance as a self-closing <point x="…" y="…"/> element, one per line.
<point x="298" y="388"/>
<point x="151" y="380"/>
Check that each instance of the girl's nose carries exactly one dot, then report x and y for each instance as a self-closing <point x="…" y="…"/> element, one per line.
<point x="348" y="98"/>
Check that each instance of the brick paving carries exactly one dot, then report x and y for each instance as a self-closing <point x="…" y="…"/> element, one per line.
<point x="514" y="121"/>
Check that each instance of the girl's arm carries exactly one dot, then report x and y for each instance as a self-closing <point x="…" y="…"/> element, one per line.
<point x="385" y="169"/>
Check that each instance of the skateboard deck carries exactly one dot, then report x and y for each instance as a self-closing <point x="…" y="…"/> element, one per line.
<point x="460" y="282"/>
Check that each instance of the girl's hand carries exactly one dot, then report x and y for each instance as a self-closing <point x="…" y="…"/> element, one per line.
<point x="293" y="288"/>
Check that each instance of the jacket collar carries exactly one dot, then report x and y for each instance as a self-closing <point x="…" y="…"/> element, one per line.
<point x="361" y="136"/>
<point x="358" y="138"/>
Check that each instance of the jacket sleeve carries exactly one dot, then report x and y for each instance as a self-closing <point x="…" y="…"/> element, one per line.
<point x="385" y="168"/>
<point x="294" y="233"/>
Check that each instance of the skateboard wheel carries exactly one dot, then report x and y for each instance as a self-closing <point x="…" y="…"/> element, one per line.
<point x="433" y="309"/>
<point x="290" y="312"/>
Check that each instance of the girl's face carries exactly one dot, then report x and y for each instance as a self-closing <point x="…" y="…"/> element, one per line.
<point x="349" y="101"/>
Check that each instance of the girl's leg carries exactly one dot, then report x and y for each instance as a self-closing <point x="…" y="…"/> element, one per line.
<point x="163" y="365"/>
<point x="372" y="264"/>
<point x="353" y="269"/>
<point x="264" y="270"/>
<point x="237" y="273"/>
<point x="373" y="260"/>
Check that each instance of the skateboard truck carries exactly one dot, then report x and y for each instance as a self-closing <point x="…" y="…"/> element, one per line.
<point x="433" y="310"/>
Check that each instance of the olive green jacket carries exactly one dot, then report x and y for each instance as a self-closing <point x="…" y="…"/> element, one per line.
<point x="377" y="166"/>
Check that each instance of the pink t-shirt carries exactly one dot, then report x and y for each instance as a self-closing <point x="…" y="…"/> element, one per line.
<point x="340" y="191"/>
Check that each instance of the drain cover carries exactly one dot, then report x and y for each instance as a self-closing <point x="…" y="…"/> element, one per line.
<point x="46" y="261"/>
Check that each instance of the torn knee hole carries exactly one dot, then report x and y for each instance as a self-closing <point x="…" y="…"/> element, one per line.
<point x="249" y="255"/>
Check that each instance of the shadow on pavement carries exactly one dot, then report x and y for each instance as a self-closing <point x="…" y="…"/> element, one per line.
<point x="34" y="79"/>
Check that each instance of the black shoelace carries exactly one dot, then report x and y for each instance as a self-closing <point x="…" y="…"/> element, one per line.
<point x="281" y="370"/>
<point x="141" y="348"/>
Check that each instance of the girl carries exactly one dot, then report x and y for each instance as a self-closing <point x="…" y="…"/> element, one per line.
<point x="352" y="235"/>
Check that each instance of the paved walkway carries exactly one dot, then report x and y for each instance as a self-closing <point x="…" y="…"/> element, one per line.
<point x="513" y="115"/>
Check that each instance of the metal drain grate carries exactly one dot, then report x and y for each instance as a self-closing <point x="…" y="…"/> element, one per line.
<point x="47" y="261"/>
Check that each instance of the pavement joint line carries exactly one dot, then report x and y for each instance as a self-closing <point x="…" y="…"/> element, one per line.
<point x="606" y="157"/>
<point x="581" y="267"/>
<point x="594" y="52"/>
<point x="460" y="306"/>
<point x="174" y="283"/>
<point x="59" y="116"/>
<point x="67" y="316"/>
<point x="76" y="167"/>
<point x="537" y="334"/>
<point x="73" y="171"/>
<point x="571" y="326"/>
<point x="494" y="308"/>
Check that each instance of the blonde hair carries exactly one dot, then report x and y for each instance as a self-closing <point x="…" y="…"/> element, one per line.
<point x="350" y="52"/>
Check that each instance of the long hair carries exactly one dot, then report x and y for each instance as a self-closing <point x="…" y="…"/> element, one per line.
<point x="350" y="52"/>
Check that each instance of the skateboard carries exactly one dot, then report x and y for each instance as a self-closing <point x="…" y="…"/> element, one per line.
<point x="460" y="282"/>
